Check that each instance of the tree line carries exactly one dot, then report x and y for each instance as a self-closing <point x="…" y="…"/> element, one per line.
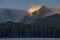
<point x="20" y="30"/>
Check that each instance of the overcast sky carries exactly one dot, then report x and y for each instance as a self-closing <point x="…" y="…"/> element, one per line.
<point x="23" y="4"/>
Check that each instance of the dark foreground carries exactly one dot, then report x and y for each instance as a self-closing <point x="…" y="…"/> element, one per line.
<point x="20" y="30"/>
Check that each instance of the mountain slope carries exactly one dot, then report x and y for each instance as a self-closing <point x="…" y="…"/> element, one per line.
<point x="53" y="19"/>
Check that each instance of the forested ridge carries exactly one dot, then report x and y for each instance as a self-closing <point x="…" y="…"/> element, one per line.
<point x="19" y="30"/>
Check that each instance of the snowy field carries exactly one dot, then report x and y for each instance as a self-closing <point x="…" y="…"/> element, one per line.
<point x="30" y="39"/>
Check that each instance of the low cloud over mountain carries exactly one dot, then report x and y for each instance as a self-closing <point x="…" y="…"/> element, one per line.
<point x="11" y="15"/>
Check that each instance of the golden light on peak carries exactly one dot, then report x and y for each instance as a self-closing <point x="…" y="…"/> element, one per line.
<point x="33" y="9"/>
<point x="57" y="11"/>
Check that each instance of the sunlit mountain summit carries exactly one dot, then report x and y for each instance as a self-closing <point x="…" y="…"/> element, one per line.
<point x="38" y="12"/>
<point x="35" y="12"/>
<point x="34" y="8"/>
<point x="39" y="9"/>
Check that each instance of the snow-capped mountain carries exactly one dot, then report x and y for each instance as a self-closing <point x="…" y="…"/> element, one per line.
<point x="40" y="10"/>
<point x="11" y="15"/>
<point x="37" y="12"/>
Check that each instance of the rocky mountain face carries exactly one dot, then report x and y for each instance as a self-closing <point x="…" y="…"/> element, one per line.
<point x="36" y="12"/>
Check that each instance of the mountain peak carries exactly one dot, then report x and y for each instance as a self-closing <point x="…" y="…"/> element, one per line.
<point x="34" y="8"/>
